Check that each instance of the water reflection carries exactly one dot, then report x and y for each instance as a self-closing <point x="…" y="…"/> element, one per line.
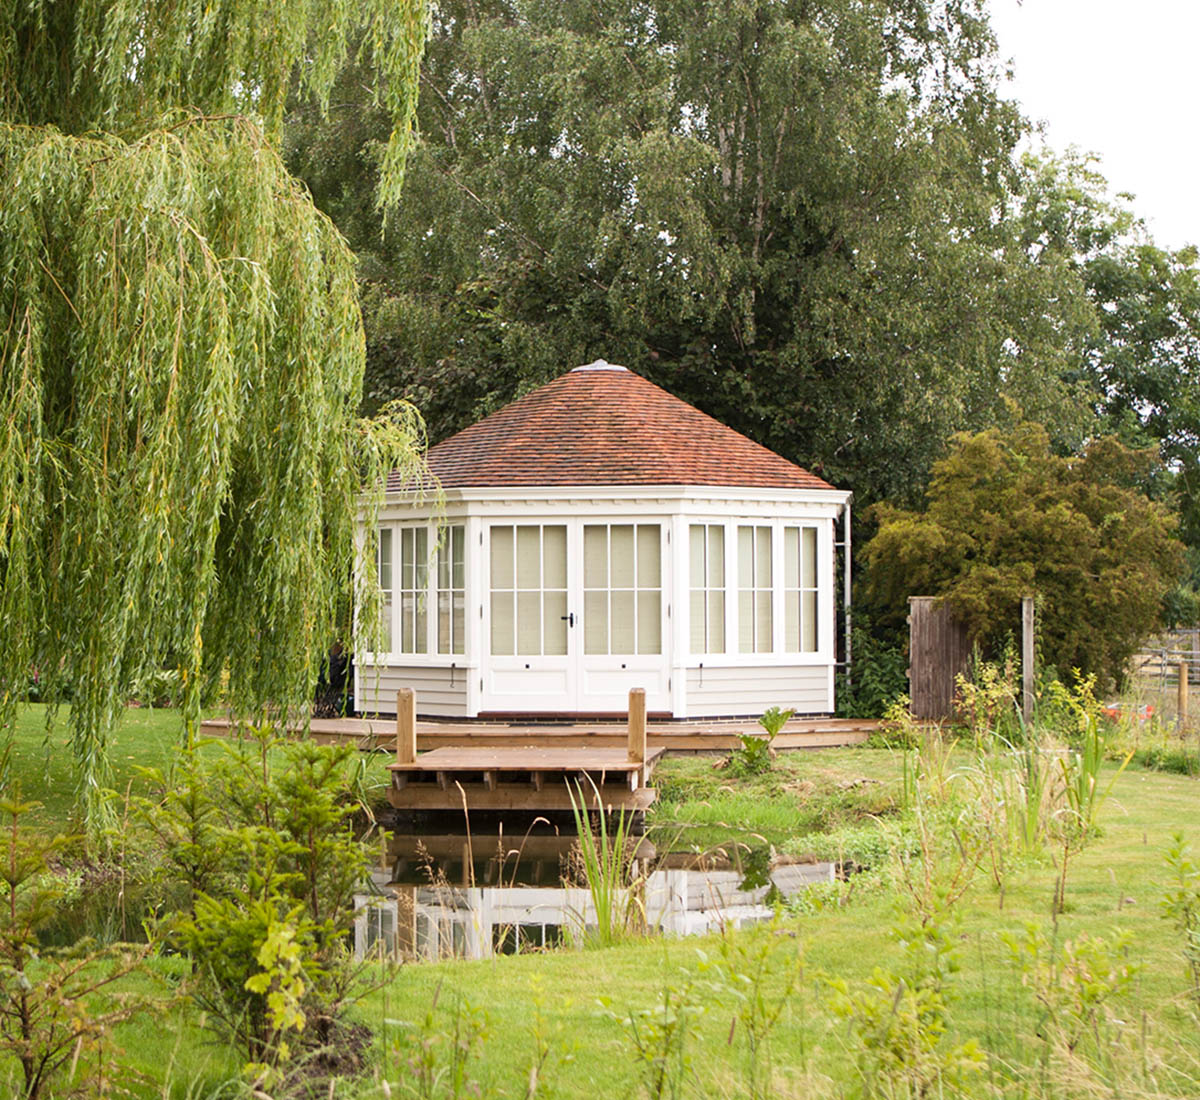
<point x="451" y="894"/>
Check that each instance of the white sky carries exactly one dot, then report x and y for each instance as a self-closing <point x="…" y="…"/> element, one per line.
<point x="1117" y="78"/>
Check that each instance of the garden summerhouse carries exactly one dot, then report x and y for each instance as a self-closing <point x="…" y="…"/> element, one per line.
<point x="597" y="535"/>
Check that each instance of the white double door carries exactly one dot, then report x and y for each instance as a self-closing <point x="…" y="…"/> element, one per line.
<point x="575" y="614"/>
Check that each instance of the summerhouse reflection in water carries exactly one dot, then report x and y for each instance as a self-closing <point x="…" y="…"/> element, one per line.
<point x="454" y="895"/>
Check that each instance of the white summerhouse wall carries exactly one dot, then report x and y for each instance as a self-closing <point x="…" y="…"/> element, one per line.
<point x="699" y="685"/>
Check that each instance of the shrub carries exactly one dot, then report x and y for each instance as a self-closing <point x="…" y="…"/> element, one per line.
<point x="878" y="678"/>
<point x="56" y="1009"/>
<point x="755" y="754"/>
<point x="263" y="840"/>
<point x="1007" y="517"/>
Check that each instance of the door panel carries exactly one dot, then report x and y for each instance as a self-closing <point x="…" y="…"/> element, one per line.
<point x="530" y="666"/>
<point x="576" y="617"/>
<point x="623" y="617"/>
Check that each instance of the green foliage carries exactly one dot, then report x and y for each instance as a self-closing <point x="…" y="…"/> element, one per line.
<point x="660" y="1037"/>
<point x="263" y="840"/>
<point x="988" y="701"/>
<point x="880" y="677"/>
<point x="784" y="213"/>
<point x="1074" y="985"/>
<point x="57" y="1009"/>
<point x="757" y="973"/>
<point x="182" y="365"/>
<point x="1180" y="905"/>
<point x="441" y="1056"/>
<point x="256" y="960"/>
<point x="755" y="754"/>
<point x="606" y="862"/>
<point x="899" y="728"/>
<point x="1005" y="518"/>
<point x="900" y="1024"/>
<point x="1143" y="356"/>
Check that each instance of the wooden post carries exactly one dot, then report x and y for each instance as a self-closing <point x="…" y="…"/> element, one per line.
<point x="406" y="726"/>
<point x="1183" y="693"/>
<point x="637" y="725"/>
<point x="1027" y="658"/>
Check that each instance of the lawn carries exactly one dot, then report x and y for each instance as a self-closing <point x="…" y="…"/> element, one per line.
<point x="567" y="1015"/>
<point x="580" y="998"/>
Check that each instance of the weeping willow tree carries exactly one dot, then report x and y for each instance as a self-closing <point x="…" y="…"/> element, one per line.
<point x="181" y="350"/>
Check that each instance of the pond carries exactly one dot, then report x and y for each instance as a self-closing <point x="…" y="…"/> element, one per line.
<point x="453" y="894"/>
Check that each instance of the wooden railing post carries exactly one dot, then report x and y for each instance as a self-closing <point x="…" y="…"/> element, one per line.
<point x="637" y="725"/>
<point x="406" y="726"/>
<point x="1183" y="693"/>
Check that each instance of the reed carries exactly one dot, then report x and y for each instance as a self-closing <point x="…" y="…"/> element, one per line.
<point x="605" y="863"/>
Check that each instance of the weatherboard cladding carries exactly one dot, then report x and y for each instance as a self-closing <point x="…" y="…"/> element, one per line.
<point x="605" y="425"/>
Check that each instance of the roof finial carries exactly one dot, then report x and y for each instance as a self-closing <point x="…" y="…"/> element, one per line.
<point x="600" y="364"/>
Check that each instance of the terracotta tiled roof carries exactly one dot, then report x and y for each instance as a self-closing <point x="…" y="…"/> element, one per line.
<point x="605" y="425"/>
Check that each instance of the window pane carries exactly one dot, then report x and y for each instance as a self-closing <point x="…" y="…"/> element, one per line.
<point x="808" y="634"/>
<point x="649" y="564"/>
<point x="502" y="558"/>
<point x="554" y="626"/>
<point x="457" y="555"/>
<point x="791" y="556"/>
<point x="554" y="550"/>
<point x="716" y="557"/>
<point x="443" y="559"/>
<point x="762" y="622"/>
<point x="529" y="623"/>
<point x="421" y="534"/>
<point x="406" y="622"/>
<point x="502" y="624"/>
<point x="385" y="559"/>
<point x="746" y="622"/>
<point x="595" y="556"/>
<point x="696" y="554"/>
<point x="791" y="621"/>
<point x="716" y="622"/>
<point x="421" y="641"/>
<point x="762" y="557"/>
<point x="622" y="637"/>
<point x="595" y="622"/>
<point x="621" y="556"/>
<point x="460" y="623"/>
<point x="649" y="627"/>
<point x="529" y="557"/>
<point x="696" y="621"/>
<point x="406" y="558"/>
<point x="443" y="621"/>
<point x="808" y="576"/>
<point x="745" y="557"/>
<point x="385" y="640"/>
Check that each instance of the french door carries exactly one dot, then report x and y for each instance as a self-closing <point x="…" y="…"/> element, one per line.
<point x="575" y="617"/>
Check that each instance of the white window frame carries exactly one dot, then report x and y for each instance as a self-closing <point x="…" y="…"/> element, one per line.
<point x="800" y="589"/>
<point x="708" y="590"/>
<point x="426" y="596"/>
<point x="756" y="587"/>
<point x="456" y="641"/>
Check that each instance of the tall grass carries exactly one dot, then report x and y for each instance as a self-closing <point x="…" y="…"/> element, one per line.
<point x="605" y="862"/>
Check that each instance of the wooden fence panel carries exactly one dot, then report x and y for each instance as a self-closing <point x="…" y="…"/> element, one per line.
<point x="937" y="653"/>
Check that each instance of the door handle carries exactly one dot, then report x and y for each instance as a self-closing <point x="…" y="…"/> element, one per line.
<point x="568" y="618"/>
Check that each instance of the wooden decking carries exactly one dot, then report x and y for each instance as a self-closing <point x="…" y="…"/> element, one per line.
<point x="538" y="768"/>
<point x="716" y="735"/>
<point x="522" y="779"/>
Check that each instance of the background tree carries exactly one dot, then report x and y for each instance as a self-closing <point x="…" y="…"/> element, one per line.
<point x="1008" y="518"/>
<point x="794" y="215"/>
<point x="181" y="350"/>
<point x="1141" y="358"/>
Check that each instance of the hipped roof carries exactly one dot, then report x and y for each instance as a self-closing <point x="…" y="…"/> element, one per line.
<point x="604" y="425"/>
